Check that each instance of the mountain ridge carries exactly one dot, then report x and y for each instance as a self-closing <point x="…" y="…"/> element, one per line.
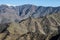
<point x="24" y="11"/>
<point x="33" y="28"/>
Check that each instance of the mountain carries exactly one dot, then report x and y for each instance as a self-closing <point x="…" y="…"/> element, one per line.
<point x="29" y="22"/>
<point x="46" y="28"/>
<point x="21" y="12"/>
<point x="36" y="11"/>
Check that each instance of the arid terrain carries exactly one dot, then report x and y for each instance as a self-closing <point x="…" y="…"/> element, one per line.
<point x="29" y="22"/>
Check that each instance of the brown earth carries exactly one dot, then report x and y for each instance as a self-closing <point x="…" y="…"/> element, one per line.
<point x="46" y="28"/>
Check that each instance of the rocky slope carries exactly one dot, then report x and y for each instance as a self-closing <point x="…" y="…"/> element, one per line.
<point x="18" y="13"/>
<point x="46" y="28"/>
<point x="29" y="22"/>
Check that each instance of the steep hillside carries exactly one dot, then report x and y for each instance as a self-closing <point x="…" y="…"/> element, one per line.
<point x="46" y="28"/>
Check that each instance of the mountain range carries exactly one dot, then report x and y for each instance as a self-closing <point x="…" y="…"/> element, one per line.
<point x="18" y="13"/>
<point x="29" y="22"/>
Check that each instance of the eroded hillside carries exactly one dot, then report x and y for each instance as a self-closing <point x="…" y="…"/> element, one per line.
<point x="45" y="28"/>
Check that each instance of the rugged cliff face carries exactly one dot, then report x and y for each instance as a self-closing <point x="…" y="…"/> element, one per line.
<point x="45" y="28"/>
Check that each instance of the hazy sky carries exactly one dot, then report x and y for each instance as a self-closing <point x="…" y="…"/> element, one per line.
<point x="34" y="2"/>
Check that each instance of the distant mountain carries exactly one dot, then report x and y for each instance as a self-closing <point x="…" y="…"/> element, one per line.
<point x="36" y="11"/>
<point x="18" y="13"/>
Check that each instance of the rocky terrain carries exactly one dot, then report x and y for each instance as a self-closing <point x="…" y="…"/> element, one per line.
<point x="45" y="28"/>
<point x="29" y="22"/>
<point x="18" y="13"/>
